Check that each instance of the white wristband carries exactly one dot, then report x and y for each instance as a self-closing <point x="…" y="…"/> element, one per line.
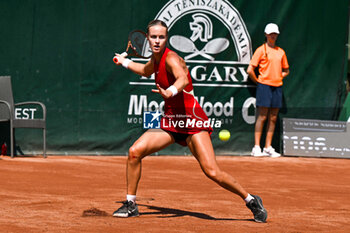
<point x="173" y="90"/>
<point x="126" y="63"/>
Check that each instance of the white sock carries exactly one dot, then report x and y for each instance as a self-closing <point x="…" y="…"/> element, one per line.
<point x="248" y="198"/>
<point x="131" y="198"/>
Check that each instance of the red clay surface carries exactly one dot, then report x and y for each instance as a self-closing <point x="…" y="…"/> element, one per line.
<point x="80" y="193"/>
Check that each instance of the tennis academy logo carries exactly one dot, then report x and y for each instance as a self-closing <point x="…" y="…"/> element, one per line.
<point x="201" y="15"/>
<point x="213" y="39"/>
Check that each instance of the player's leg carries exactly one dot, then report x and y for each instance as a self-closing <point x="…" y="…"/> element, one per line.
<point x="276" y="104"/>
<point x="259" y="126"/>
<point x="151" y="141"/>
<point x="271" y="125"/>
<point x="201" y="147"/>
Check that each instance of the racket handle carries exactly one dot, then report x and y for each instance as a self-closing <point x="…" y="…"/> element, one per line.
<point x="115" y="59"/>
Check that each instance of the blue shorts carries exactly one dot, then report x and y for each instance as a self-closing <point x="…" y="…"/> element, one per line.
<point x="268" y="96"/>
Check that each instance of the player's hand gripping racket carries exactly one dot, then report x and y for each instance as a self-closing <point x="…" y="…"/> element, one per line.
<point x="137" y="46"/>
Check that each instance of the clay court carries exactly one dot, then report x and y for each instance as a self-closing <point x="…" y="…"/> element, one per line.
<point x="80" y="193"/>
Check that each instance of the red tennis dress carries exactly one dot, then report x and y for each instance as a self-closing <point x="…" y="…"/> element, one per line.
<point x="182" y="112"/>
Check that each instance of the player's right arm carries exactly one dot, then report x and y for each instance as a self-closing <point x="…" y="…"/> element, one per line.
<point x="254" y="62"/>
<point x="251" y="73"/>
<point x="138" y="68"/>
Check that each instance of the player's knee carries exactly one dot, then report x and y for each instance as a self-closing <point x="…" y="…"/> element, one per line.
<point x="212" y="173"/>
<point x="134" y="154"/>
<point x="273" y="118"/>
<point x="216" y="175"/>
<point x="262" y="118"/>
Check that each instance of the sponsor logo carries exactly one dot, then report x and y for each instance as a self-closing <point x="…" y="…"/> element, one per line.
<point x="139" y="103"/>
<point x="219" y="111"/>
<point x="190" y="123"/>
<point x="151" y="120"/>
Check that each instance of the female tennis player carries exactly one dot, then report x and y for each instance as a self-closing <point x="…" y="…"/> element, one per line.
<point x="174" y="84"/>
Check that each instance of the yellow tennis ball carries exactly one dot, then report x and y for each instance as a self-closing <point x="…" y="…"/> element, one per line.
<point x="224" y="135"/>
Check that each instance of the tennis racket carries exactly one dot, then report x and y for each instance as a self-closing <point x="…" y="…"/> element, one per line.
<point x="137" y="46"/>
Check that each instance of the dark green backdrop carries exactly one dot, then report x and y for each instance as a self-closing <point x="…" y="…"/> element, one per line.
<point x="60" y="53"/>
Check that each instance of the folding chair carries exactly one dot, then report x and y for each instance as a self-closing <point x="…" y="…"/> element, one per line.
<point x="7" y="113"/>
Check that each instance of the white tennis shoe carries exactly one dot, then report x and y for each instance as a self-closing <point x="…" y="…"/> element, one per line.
<point x="256" y="151"/>
<point x="270" y="152"/>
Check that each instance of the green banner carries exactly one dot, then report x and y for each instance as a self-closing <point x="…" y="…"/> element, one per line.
<point x="60" y="53"/>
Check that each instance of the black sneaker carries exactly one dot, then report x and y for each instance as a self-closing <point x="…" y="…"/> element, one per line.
<point x="256" y="206"/>
<point x="128" y="209"/>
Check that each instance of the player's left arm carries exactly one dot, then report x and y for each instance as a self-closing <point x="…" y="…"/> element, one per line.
<point x="176" y="66"/>
<point x="285" y="72"/>
<point x="285" y="65"/>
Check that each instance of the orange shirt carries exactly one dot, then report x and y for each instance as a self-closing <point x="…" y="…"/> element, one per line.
<point x="271" y="62"/>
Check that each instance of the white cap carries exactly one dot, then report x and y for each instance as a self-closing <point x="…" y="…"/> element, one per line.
<point x="271" y="28"/>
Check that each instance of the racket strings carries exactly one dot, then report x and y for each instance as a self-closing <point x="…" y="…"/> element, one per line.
<point x="138" y="43"/>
